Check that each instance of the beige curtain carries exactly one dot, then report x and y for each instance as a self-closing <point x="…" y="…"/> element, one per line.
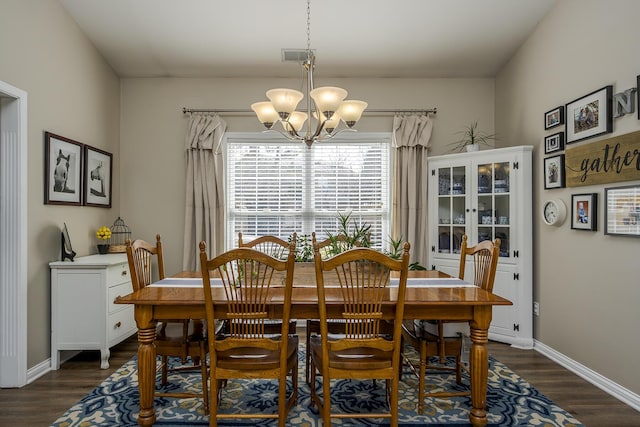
<point x="204" y="209"/>
<point x="411" y="135"/>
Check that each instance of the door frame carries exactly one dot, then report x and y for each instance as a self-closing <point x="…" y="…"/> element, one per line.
<point x="13" y="233"/>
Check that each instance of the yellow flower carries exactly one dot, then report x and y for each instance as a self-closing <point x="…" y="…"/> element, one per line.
<point x="103" y="233"/>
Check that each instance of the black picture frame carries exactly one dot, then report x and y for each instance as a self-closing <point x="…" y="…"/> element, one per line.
<point x="622" y="211"/>
<point x="553" y="143"/>
<point x="97" y="177"/>
<point x="554" y="176"/>
<point x="590" y="115"/>
<point x="638" y="95"/>
<point x="63" y="168"/>
<point x="554" y="117"/>
<point x="584" y="211"/>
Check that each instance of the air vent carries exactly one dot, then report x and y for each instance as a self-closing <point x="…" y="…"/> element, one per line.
<point x="294" y="55"/>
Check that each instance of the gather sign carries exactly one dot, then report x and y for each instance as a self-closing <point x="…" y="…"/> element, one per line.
<point x="611" y="160"/>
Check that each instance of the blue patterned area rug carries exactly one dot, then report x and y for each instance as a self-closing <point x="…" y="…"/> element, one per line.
<point x="511" y="401"/>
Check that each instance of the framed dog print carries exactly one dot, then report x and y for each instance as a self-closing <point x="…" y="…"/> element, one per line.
<point x="553" y="143"/>
<point x="554" y="117"/>
<point x="63" y="170"/>
<point x="554" y="172"/>
<point x="591" y="115"/>
<point x="584" y="211"/>
<point x="97" y="177"/>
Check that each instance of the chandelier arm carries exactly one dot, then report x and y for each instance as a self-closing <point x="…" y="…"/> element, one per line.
<point x="290" y="135"/>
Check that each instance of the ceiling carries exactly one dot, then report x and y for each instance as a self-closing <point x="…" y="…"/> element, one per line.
<point x="351" y="38"/>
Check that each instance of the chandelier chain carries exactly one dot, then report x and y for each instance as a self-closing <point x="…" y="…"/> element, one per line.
<point x="308" y="27"/>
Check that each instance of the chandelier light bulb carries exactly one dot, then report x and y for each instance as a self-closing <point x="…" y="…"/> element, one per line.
<point x="266" y="113"/>
<point x="295" y="122"/>
<point x="331" y="124"/>
<point x="351" y="111"/>
<point x="328" y="99"/>
<point x="284" y="100"/>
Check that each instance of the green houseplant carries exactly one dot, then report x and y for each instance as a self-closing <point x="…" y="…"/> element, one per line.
<point x="472" y="138"/>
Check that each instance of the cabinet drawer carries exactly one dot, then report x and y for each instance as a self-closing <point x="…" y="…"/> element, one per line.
<point x="117" y="273"/>
<point x="118" y="291"/>
<point x="120" y="325"/>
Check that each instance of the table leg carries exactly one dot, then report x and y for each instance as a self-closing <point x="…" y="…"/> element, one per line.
<point x="146" y="364"/>
<point x="479" y="365"/>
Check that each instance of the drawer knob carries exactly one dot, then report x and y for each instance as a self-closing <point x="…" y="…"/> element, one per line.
<point x="118" y="325"/>
<point x="124" y="272"/>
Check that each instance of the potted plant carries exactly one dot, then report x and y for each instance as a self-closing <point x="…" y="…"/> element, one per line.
<point x="472" y="138"/>
<point x="103" y="234"/>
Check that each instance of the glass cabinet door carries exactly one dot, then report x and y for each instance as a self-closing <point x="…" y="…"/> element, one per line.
<point x="493" y="204"/>
<point x="452" y="205"/>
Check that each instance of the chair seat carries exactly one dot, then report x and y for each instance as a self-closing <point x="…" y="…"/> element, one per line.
<point x="251" y="358"/>
<point x="357" y="358"/>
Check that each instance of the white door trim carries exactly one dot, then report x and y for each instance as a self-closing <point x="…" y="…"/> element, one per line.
<point x="13" y="236"/>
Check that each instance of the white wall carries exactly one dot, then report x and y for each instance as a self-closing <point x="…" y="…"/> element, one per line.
<point x="74" y="93"/>
<point x="587" y="283"/>
<point x="154" y="128"/>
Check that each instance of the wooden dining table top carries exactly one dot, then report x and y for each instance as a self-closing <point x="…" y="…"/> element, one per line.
<point x="305" y="297"/>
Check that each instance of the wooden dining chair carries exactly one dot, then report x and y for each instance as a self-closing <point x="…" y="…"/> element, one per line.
<point x="246" y="277"/>
<point x="177" y="338"/>
<point x="428" y="336"/>
<point x="362" y="275"/>
<point x="279" y="249"/>
<point x="328" y="247"/>
<point x="270" y="245"/>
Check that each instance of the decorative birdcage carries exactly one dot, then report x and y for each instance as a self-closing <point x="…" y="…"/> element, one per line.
<point x="119" y="235"/>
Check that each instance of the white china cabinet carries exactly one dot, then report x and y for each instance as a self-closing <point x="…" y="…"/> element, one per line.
<point x="487" y="195"/>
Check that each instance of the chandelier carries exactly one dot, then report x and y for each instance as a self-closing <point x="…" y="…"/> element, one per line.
<point x="326" y="106"/>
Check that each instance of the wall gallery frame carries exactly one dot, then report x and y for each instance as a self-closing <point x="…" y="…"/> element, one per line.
<point x="553" y="143"/>
<point x="590" y="115"/>
<point x="584" y="211"/>
<point x="554" y="172"/>
<point x="553" y="118"/>
<point x="98" y="171"/>
<point x="63" y="170"/>
<point x="622" y="211"/>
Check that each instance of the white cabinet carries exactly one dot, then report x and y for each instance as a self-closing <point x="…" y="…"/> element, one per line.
<point x="83" y="315"/>
<point x="487" y="195"/>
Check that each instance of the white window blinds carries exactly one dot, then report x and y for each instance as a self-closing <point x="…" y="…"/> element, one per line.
<point x="277" y="187"/>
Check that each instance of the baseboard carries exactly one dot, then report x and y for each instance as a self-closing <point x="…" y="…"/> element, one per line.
<point x="39" y="370"/>
<point x="616" y="390"/>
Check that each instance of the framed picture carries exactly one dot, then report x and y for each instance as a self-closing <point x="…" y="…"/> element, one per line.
<point x="553" y="143"/>
<point x="554" y="118"/>
<point x="638" y="94"/>
<point x="584" y="211"/>
<point x="622" y="211"/>
<point x="554" y="172"/>
<point x="63" y="170"/>
<point x="97" y="177"/>
<point x="591" y="115"/>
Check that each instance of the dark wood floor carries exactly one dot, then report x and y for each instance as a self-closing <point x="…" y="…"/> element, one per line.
<point x="43" y="401"/>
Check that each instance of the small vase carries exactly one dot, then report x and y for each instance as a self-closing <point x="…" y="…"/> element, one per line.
<point x="473" y="147"/>
<point x="103" y="249"/>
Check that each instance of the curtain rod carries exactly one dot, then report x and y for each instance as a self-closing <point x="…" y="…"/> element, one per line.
<point x="186" y="110"/>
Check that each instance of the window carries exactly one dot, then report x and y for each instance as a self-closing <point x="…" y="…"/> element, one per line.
<point x="275" y="186"/>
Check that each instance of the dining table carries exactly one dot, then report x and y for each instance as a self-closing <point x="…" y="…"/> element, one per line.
<point x="430" y="294"/>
